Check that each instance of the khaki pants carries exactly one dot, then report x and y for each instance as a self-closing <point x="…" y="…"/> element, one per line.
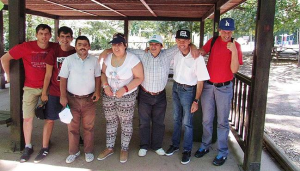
<point x="30" y="99"/>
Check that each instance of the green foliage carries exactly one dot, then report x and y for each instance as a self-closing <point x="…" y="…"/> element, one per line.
<point x="32" y="21"/>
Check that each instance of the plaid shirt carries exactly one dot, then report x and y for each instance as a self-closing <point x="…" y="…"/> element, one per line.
<point x="156" y="69"/>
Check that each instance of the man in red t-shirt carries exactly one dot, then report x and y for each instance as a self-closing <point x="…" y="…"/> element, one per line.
<point x="33" y="54"/>
<point x="54" y="61"/>
<point x="224" y="60"/>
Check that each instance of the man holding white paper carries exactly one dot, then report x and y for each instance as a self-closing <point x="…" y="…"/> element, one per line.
<point x="80" y="89"/>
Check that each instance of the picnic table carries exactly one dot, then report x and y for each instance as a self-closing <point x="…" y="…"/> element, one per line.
<point x="281" y="52"/>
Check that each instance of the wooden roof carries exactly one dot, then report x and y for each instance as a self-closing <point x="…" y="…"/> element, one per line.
<point x="128" y="9"/>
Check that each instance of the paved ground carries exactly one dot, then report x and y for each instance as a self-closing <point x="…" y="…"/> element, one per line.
<point x="283" y="105"/>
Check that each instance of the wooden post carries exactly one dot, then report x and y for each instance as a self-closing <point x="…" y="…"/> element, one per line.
<point x="202" y="23"/>
<point x="259" y="83"/>
<point x="299" y="48"/>
<point x="2" y="78"/>
<point x="16" y="36"/>
<point x="56" y="27"/>
<point x="126" y="30"/>
<point x="216" y="20"/>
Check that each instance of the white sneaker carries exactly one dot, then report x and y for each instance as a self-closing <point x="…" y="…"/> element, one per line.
<point x="142" y="152"/>
<point x="71" y="158"/>
<point x="89" y="157"/>
<point x="160" y="152"/>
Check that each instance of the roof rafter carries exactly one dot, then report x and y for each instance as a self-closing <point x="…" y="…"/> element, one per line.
<point x="149" y="9"/>
<point x="101" y="4"/>
<point x="65" y="6"/>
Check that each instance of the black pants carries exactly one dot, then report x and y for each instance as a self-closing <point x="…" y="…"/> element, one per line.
<point x="152" y="108"/>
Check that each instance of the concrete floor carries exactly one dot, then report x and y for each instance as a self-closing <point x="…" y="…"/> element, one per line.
<point x="59" y="149"/>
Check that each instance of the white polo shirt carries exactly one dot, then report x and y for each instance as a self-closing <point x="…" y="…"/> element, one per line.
<point x="188" y="70"/>
<point x="80" y="74"/>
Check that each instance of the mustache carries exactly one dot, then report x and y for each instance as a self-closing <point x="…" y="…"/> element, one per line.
<point x="83" y="49"/>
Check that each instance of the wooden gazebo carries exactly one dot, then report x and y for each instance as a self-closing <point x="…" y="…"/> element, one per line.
<point x="164" y="10"/>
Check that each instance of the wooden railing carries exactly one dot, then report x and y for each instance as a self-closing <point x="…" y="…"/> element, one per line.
<point x="240" y="111"/>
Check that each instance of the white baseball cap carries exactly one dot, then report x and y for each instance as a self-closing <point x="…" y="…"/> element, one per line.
<point x="156" y="39"/>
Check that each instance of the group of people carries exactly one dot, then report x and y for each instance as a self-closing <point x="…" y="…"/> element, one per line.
<point x="62" y="75"/>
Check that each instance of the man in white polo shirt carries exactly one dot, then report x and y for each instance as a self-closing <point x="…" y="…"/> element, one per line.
<point x="189" y="74"/>
<point x="80" y="88"/>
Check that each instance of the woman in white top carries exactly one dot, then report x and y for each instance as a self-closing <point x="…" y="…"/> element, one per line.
<point x="122" y="73"/>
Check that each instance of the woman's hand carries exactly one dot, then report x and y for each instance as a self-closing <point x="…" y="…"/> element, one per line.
<point x="120" y="92"/>
<point x="108" y="92"/>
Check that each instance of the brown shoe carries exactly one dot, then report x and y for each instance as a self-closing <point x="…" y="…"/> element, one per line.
<point x="123" y="156"/>
<point x="107" y="152"/>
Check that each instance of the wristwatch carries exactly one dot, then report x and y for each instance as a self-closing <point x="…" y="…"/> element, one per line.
<point x="196" y="101"/>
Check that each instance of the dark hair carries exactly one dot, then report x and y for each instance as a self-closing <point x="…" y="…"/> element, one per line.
<point x="65" y="30"/>
<point x="82" y="38"/>
<point x="42" y="27"/>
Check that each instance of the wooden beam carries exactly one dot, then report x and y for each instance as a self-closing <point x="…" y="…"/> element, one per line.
<point x="56" y="27"/>
<point x="131" y="18"/>
<point x="259" y="83"/>
<point x="149" y="9"/>
<point x="42" y="14"/>
<point x="101" y="4"/>
<point x="202" y="24"/>
<point x="65" y="6"/>
<point x="2" y="78"/>
<point x="126" y="29"/>
<point x="17" y="18"/>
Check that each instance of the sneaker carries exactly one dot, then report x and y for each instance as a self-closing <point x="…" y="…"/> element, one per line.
<point x="107" y="152"/>
<point x="89" y="157"/>
<point x="219" y="160"/>
<point x="186" y="157"/>
<point x="26" y="154"/>
<point x="201" y="152"/>
<point x="160" y="152"/>
<point x="123" y="156"/>
<point x="42" y="154"/>
<point x="171" y="150"/>
<point x="142" y="152"/>
<point x="71" y="158"/>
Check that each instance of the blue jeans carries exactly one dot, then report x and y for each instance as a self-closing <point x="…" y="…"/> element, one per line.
<point x="183" y="97"/>
<point x="216" y="98"/>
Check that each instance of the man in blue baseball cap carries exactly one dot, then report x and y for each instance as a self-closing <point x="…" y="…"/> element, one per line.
<point x="225" y="58"/>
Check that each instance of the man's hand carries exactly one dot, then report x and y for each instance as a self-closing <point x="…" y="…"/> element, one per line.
<point x="194" y="51"/>
<point x="108" y="91"/>
<point x="63" y="101"/>
<point x="44" y="97"/>
<point x="95" y="97"/>
<point x="120" y="92"/>
<point x="194" y="107"/>
<point x="147" y="49"/>
<point x="231" y="46"/>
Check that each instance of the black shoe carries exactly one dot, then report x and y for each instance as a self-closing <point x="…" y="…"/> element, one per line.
<point x="42" y="154"/>
<point x="171" y="150"/>
<point x="219" y="160"/>
<point x="186" y="157"/>
<point x="26" y="154"/>
<point x="201" y="152"/>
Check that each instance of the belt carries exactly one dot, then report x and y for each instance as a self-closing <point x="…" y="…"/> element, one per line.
<point x="219" y="84"/>
<point x="80" y="97"/>
<point x="185" y="85"/>
<point x="151" y="93"/>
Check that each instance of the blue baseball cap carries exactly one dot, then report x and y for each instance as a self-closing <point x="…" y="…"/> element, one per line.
<point x="227" y="24"/>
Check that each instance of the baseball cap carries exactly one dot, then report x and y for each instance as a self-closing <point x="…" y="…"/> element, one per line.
<point x="155" y="39"/>
<point x="118" y="38"/>
<point x="227" y="24"/>
<point x="183" y="34"/>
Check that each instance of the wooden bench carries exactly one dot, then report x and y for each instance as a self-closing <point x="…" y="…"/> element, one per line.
<point x="5" y="118"/>
<point x="285" y="53"/>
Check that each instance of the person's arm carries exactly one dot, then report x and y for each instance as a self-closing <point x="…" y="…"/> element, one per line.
<point x="63" y="92"/>
<point x="234" y="65"/>
<point x="96" y="95"/>
<point x="194" y="107"/>
<point x="105" y="85"/>
<point x="5" y="64"/>
<point x="194" y="51"/>
<point x="138" y="77"/>
<point x="202" y="52"/>
<point x="48" y="75"/>
<point x="105" y="53"/>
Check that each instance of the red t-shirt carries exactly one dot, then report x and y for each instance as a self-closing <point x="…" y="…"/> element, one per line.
<point x="55" y="58"/>
<point x="218" y="64"/>
<point x="34" y="61"/>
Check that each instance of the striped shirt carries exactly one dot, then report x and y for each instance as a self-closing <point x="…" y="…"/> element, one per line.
<point x="156" y="69"/>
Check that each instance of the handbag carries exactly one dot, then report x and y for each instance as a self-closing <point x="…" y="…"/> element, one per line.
<point x="40" y="111"/>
